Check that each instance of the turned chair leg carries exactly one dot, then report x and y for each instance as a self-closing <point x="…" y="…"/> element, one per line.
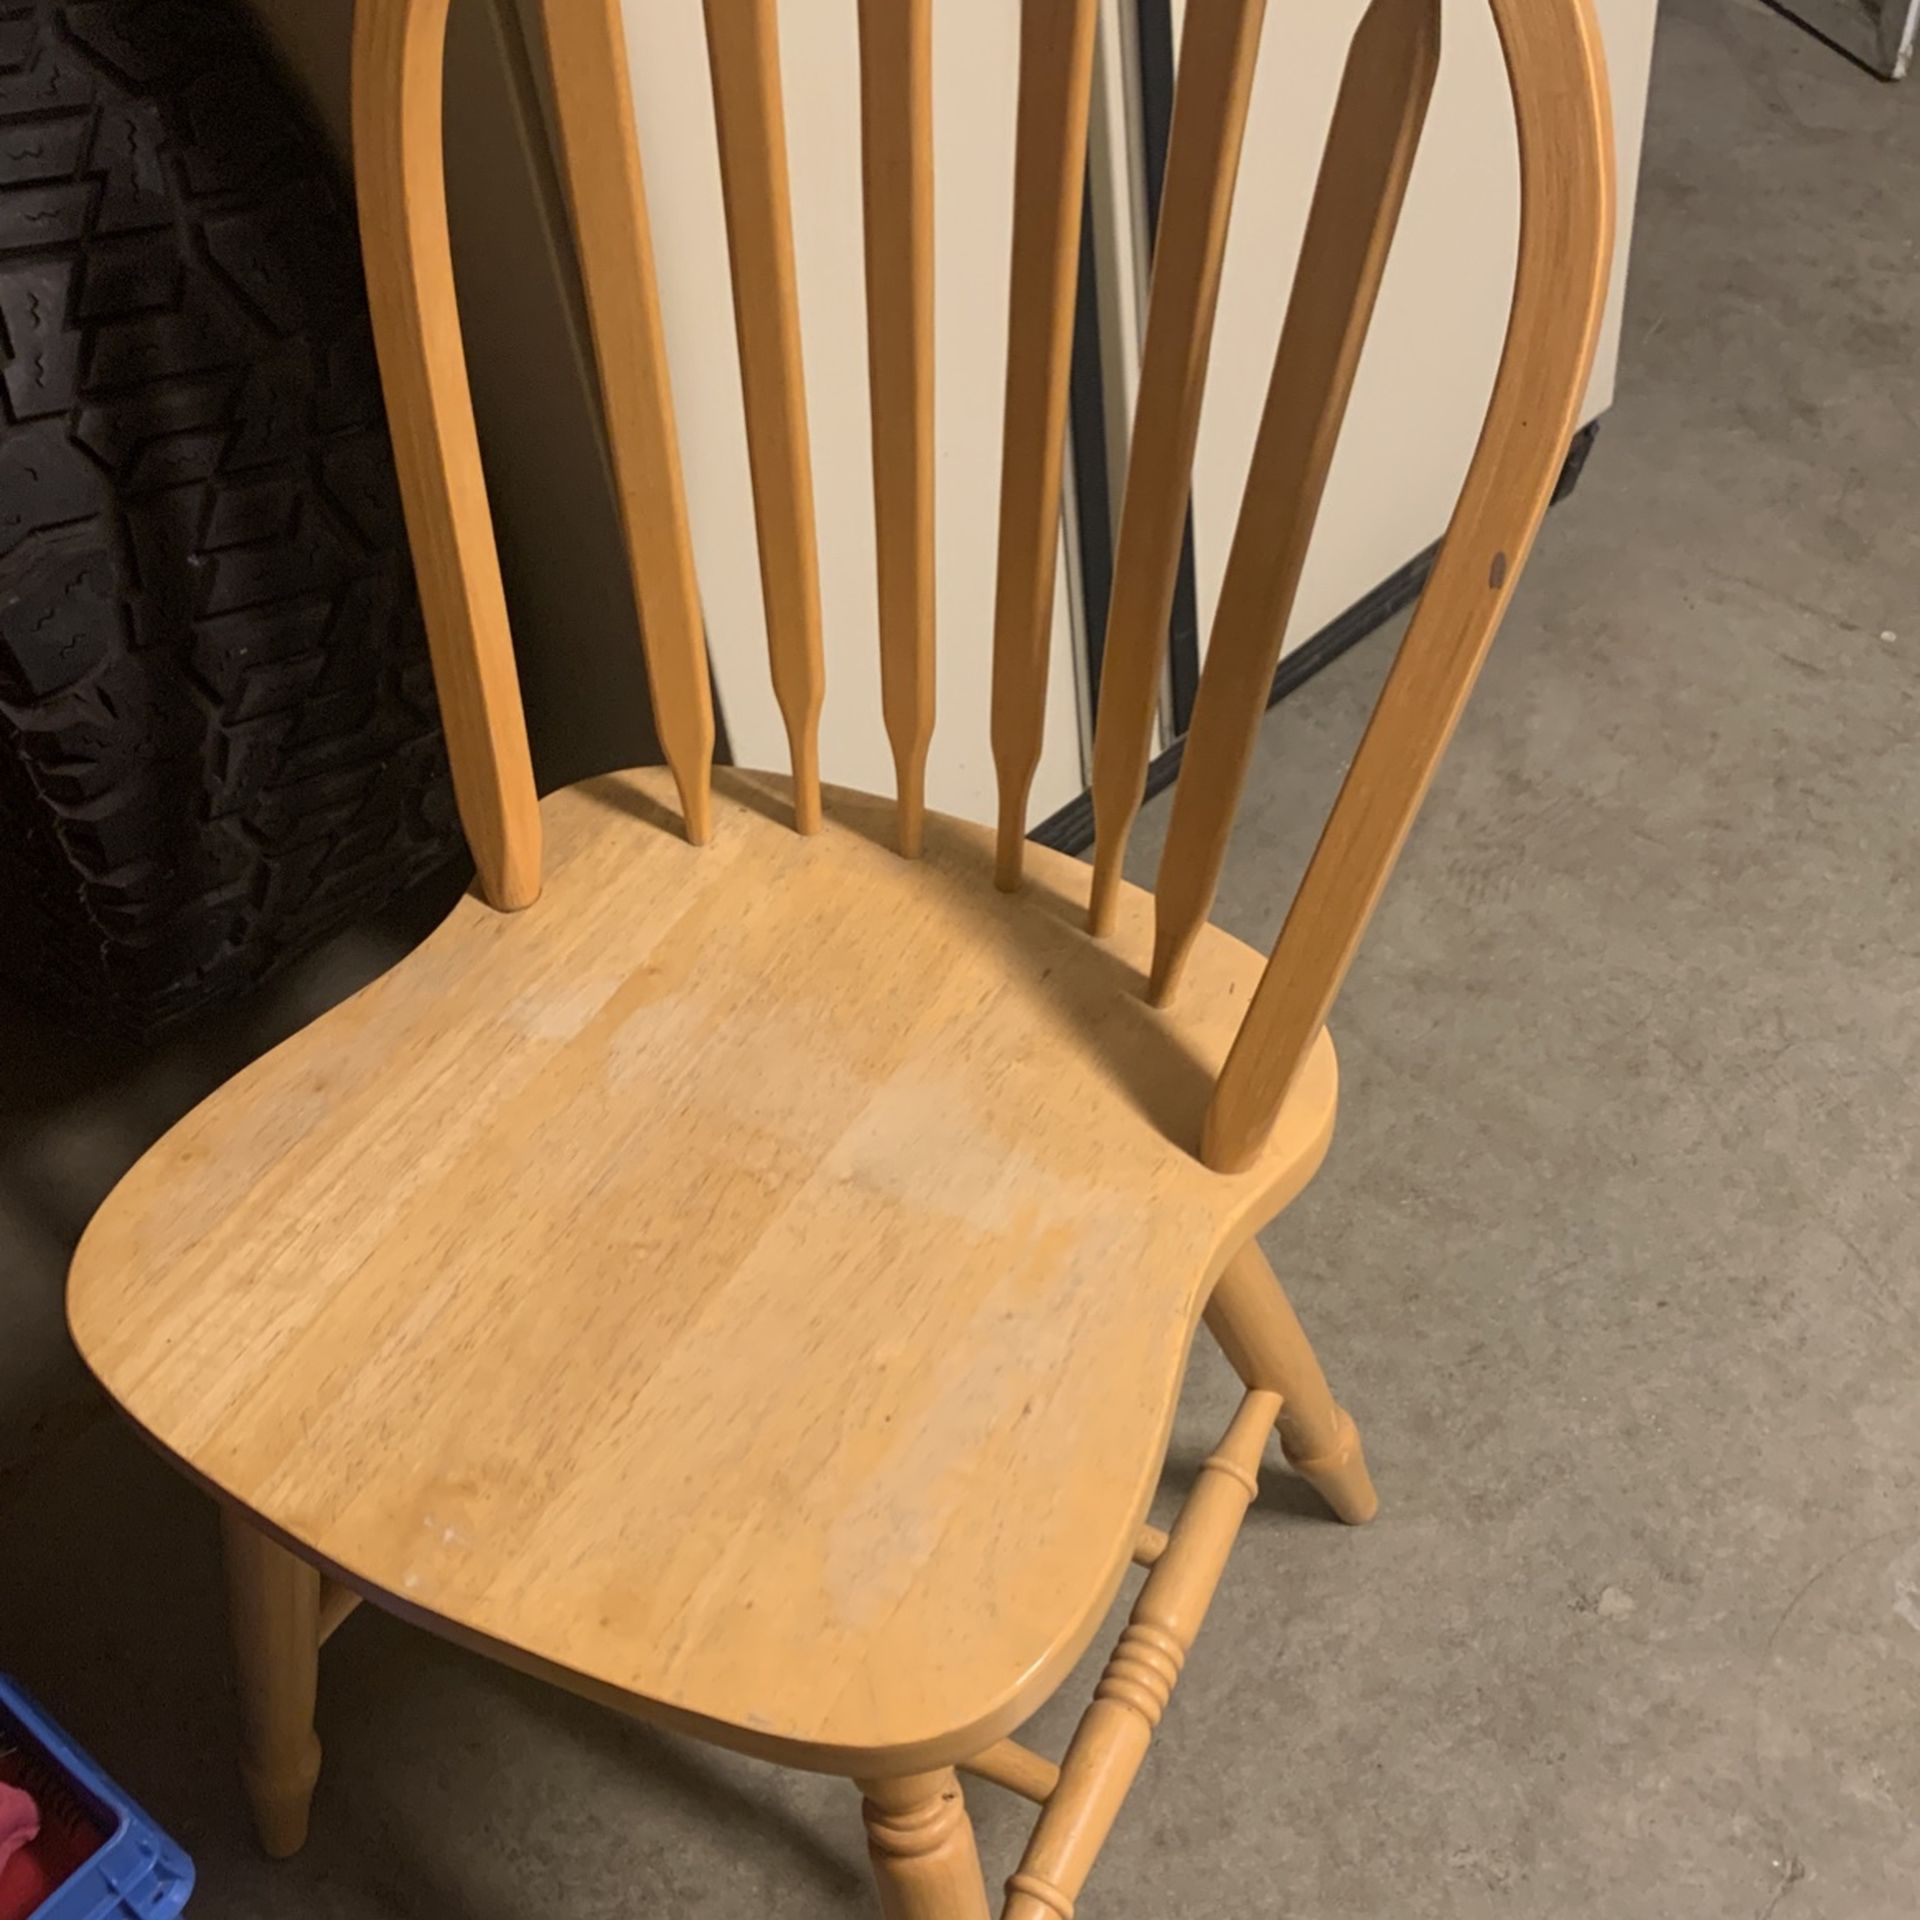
<point x="921" y="1844"/>
<point x="1258" y="1330"/>
<point x="273" y="1606"/>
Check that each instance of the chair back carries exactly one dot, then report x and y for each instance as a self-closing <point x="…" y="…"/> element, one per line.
<point x="1558" y="86"/>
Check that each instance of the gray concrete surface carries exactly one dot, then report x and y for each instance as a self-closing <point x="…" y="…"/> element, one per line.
<point x="1614" y="1259"/>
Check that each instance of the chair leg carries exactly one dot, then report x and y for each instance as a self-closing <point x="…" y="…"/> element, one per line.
<point x="921" y="1843"/>
<point x="273" y="1606"/>
<point x="1258" y="1330"/>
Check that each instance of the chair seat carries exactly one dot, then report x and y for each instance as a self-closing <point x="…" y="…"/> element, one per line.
<point x="752" y="1285"/>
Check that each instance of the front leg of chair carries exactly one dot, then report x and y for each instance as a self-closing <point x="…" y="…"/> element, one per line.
<point x="273" y="1607"/>
<point x="1258" y="1330"/>
<point x="921" y="1843"/>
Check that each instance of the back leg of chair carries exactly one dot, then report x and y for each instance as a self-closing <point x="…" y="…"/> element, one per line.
<point x="273" y="1607"/>
<point x="1258" y="1330"/>
<point x="920" y="1839"/>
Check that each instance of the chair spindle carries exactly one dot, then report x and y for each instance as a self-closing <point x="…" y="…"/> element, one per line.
<point x="400" y="181"/>
<point x="1019" y="1769"/>
<point x="600" y="152"/>
<point x="1114" y="1733"/>
<point x="1217" y="54"/>
<point x="896" y="128"/>
<point x="1049" y="177"/>
<point x="1356" y="206"/>
<point x="743" y="51"/>
<point x="1558" y="80"/>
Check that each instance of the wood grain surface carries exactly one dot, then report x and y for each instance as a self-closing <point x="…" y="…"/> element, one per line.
<point x="896" y="166"/>
<point x="1049" y="180"/>
<point x="773" y="1332"/>
<point x="743" y="54"/>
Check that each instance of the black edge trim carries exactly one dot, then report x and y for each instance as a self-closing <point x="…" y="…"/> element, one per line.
<point x="1155" y="23"/>
<point x="1826" y="39"/>
<point x="1183" y="635"/>
<point x="1576" y="461"/>
<point x="1157" y="80"/>
<point x="1087" y="423"/>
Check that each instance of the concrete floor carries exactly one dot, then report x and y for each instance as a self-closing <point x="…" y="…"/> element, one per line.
<point x="1614" y="1257"/>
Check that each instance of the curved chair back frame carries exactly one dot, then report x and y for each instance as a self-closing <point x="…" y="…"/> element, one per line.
<point x="1558" y="85"/>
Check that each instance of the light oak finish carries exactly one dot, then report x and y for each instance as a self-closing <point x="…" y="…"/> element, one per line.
<point x="765" y="1185"/>
<point x="1217" y="52"/>
<point x="1049" y="176"/>
<point x="1559" y="85"/>
<point x="1112" y="1738"/>
<point x="743" y="51"/>
<point x="600" y="154"/>
<point x="273" y="1614"/>
<point x="1356" y="206"/>
<point x="1259" y="1332"/>
<point x="753" y="1291"/>
<point x="401" y="187"/>
<point x="896" y="134"/>
<point x="1019" y="1769"/>
<point x="920" y="1841"/>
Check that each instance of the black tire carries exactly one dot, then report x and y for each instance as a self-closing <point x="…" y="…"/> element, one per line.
<point x="218" y="734"/>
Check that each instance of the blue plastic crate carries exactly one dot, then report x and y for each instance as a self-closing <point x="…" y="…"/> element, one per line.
<point x="137" y="1873"/>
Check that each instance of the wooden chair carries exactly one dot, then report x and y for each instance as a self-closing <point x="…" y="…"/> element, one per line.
<point x="752" y="1290"/>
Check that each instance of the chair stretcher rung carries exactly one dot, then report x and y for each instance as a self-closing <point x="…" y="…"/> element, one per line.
<point x="1151" y="1544"/>
<point x="1019" y="1769"/>
<point x="1111" y="1740"/>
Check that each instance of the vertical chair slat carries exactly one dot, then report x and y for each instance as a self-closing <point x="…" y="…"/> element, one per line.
<point x="1356" y="206"/>
<point x="400" y="181"/>
<point x="1049" y="175"/>
<point x="600" y="151"/>
<point x="743" y="50"/>
<point x="1217" y="54"/>
<point x="1566" y="226"/>
<point x="896" y="129"/>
